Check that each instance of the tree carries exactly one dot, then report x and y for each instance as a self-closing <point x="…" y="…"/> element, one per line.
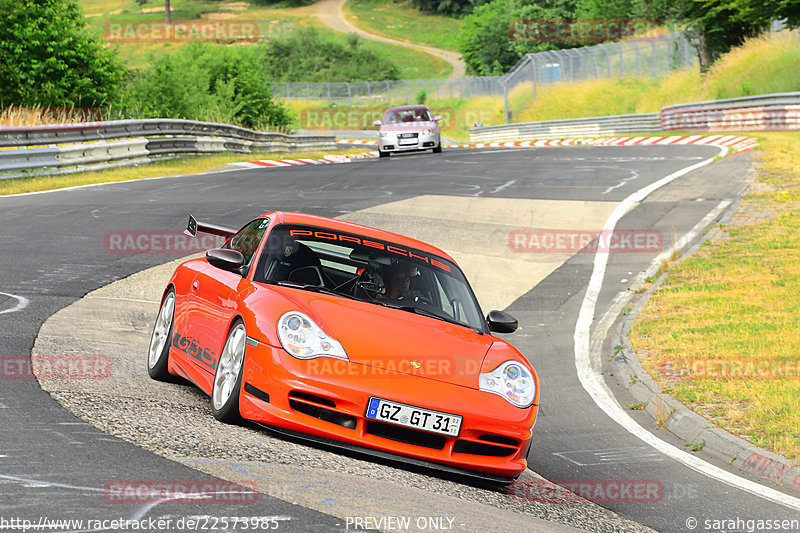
<point x="167" y="13"/>
<point x="204" y="81"/>
<point x="498" y="34"/>
<point x="47" y="57"/>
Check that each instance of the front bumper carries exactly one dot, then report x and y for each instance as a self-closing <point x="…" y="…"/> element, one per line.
<point x="329" y="401"/>
<point x="391" y="142"/>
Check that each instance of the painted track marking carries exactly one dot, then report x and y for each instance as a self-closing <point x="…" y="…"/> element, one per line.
<point x="592" y="383"/>
<point x="22" y="303"/>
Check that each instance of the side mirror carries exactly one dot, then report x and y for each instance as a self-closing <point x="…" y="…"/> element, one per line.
<point x="437" y="118"/>
<point x="376" y="123"/>
<point x="230" y="260"/>
<point x="501" y="322"/>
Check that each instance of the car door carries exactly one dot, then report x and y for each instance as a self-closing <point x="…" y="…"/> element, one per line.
<point x="213" y="301"/>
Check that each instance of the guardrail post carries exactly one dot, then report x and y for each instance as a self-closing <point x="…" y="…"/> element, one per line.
<point x="505" y="102"/>
<point x="349" y="95"/>
<point x="533" y="65"/>
<point x="655" y="59"/>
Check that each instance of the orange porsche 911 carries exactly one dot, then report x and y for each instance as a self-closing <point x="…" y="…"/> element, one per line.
<point x="348" y="335"/>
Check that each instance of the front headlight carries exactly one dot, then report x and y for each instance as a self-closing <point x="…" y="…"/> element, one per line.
<point x="427" y="132"/>
<point x="302" y="338"/>
<point x="385" y="134"/>
<point x="512" y="381"/>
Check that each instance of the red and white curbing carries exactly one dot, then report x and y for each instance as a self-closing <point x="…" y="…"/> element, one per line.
<point x="327" y="159"/>
<point x="357" y="141"/>
<point x="735" y="144"/>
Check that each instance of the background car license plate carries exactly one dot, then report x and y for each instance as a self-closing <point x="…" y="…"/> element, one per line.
<point x="414" y="417"/>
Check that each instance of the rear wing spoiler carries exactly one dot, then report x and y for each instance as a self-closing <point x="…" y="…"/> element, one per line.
<point x="202" y="227"/>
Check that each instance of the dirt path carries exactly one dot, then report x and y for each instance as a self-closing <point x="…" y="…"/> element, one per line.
<point x="330" y="13"/>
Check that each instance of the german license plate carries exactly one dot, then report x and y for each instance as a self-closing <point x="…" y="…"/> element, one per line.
<point x="414" y="417"/>
<point x="407" y="141"/>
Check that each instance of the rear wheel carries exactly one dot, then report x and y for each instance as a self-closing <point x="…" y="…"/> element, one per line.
<point x="158" y="354"/>
<point x="228" y="377"/>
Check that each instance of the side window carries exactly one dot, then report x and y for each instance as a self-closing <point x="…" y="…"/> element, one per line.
<point x="247" y="239"/>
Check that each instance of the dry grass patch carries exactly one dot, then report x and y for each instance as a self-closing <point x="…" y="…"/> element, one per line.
<point x="174" y="167"/>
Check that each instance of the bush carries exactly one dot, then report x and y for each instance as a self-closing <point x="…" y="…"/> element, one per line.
<point x="48" y="59"/>
<point x="308" y="56"/>
<point x="205" y="82"/>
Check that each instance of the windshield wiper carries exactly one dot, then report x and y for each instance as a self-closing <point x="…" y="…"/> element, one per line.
<point x="421" y="311"/>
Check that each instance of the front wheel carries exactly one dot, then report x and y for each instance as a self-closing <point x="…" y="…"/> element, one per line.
<point x="158" y="354"/>
<point x="228" y="377"/>
<point x="381" y="153"/>
<point x="437" y="149"/>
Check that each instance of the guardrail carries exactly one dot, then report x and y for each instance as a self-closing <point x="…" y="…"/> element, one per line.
<point x="67" y="148"/>
<point x="780" y="111"/>
<point x="578" y="127"/>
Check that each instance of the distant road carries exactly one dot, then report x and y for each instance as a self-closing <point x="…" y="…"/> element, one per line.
<point x="331" y="14"/>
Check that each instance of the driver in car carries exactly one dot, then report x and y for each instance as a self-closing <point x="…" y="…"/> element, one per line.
<point x="399" y="281"/>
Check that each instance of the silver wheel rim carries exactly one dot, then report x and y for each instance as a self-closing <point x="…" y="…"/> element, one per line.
<point x="228" y="368"/>
<point x="161" y="330"/>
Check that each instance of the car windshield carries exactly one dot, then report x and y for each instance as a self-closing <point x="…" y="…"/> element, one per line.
<point x="397" y="116"/>
<point x="370" y="270"/>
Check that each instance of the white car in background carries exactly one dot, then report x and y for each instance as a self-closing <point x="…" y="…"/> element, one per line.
<point x="408" y="128"/>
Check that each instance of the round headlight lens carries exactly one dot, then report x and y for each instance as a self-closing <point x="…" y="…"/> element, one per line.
<point x="302" y="338"/>
<point x="512" y="381"/>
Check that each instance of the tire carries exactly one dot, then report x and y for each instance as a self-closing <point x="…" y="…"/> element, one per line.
<point x="160" y="340"/>
<point x="437" y="149"/>
<point x="381" y="153"/>
<point x="227" y="382"/>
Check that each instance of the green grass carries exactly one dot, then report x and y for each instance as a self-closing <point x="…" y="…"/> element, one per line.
<point x="725" y="320"/>
<point x="272" y="22"/>
<point x="398" y="20"/>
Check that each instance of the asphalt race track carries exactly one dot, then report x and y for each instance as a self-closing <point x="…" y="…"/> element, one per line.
<point x="55" y="465"/>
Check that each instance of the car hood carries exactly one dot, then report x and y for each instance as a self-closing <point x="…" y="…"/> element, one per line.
<point x="410" y="126"/>
<point x="393" y="339"/>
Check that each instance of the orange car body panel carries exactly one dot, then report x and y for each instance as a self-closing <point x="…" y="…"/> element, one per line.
<point x="394" y="355"/>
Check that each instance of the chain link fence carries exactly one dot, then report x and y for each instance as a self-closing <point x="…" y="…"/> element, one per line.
<point x="651" y="57"/>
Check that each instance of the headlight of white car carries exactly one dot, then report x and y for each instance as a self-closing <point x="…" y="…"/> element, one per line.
<point x="303" y="339"/>
<point x="427" y="132"/>
<point x="512" y="381"/>
<point x="385" y="134"/>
